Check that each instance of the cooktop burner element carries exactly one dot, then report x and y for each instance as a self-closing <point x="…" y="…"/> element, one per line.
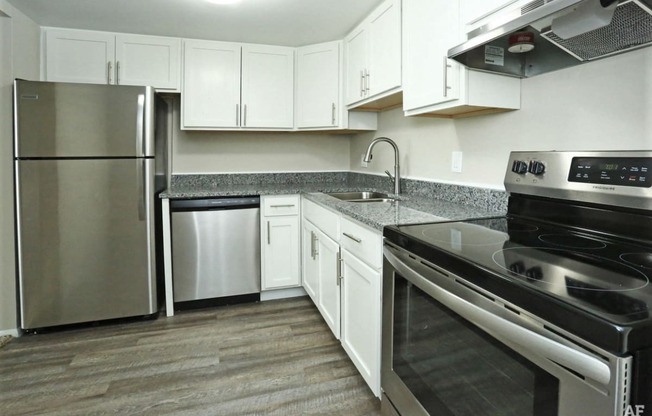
<point x="537" y="266"/>
<point x="643" y="260"/>
<point x="571" y="241"/>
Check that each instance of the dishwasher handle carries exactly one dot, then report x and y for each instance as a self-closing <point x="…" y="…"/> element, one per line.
<point x="211" y="204"/>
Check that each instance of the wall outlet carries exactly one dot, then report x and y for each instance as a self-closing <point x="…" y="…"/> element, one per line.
<point x="456" y="162"/>
<point x="362" y="162"/>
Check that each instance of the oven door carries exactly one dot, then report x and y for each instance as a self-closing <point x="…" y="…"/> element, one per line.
<point x="450" y="349"/>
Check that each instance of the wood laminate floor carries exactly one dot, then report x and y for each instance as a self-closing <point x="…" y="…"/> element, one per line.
<point x="267" y="358"/>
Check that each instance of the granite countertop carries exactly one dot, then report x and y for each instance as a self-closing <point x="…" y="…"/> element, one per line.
<point x="409" y="209"/>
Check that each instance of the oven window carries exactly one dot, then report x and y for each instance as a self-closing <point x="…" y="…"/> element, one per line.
<point x="454" y="368"/>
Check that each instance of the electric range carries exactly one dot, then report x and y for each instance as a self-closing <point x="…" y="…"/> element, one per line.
<point x="572" y="256"/>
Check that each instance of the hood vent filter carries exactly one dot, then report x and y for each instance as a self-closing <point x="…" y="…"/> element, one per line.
<point x="630" y="27"/>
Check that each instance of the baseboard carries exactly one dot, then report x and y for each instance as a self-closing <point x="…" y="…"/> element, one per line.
<point x="11" y="332"/>
<point x="292" y="292"/>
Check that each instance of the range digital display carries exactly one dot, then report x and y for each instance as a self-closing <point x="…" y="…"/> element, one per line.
<point x="623" y="171"/>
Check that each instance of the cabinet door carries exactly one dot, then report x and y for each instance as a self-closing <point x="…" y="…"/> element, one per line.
<point x="211" y="84"/>
<point x="385" y="48"/>
<point x="309" y="261"/>
<point x="329" y="282"/>
<point x="280" y="252"/>
<point x="430" y="29"/>
<point x="318" y="84"/>
<point x="79" y="56"/>
<point x="361" y="318"/>
<point x="356" y="65"/>
<point x="267" y="86"/>
<point x="147" y="60"/>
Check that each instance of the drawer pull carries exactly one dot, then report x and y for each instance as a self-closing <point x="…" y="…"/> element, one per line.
<point x="283" y="206"/>
<point x="354" y="238"/>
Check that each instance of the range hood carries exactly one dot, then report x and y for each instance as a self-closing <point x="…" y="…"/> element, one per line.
<point x="546" y="35"/>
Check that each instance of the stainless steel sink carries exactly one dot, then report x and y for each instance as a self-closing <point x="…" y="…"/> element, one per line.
<point x="364" y="196"/>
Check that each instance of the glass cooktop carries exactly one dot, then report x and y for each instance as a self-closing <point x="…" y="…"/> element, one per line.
<point x="605" y="277"/>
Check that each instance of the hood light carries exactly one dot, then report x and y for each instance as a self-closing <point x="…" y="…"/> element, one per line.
<point x="521" y="42"/>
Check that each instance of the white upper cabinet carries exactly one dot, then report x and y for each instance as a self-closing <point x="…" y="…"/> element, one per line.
<point x="211" y="84"/>
<point x="318" y="85"/>
<point x="430" y="78"/>
<point x="319" y="91"/>
<point x="234" y="86"/>
<point x="267" y="87"/>
<point x="435" y="85"/>
<point x="148" y="60"/>
<point x="110" y="58"/>
<point x="373" y="56"/>
<point x="79" y="56"/>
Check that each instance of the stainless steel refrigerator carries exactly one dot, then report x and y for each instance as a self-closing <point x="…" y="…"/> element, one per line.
<point x="86" y="184"/>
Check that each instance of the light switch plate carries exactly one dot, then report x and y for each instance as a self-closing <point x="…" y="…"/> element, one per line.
<point x="456" y="162"/>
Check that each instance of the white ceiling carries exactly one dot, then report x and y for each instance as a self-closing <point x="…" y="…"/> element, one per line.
<point x="276" y="22"/>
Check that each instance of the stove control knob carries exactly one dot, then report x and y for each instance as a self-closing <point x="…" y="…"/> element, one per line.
<point x="534" y="273"/>
<point x="519" y="167"/>
<point x="536" y="167"/>
<point x="517" y="267"/>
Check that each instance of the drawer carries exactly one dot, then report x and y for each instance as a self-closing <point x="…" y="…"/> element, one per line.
<point x="324" y="219"/>
<point x="280" y="205"/>
<point x="363" y="242"/>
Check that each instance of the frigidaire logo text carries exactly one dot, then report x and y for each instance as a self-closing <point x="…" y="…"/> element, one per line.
<point x="604" y="188"/>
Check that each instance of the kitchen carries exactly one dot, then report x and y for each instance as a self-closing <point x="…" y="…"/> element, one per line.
<point x="603" y="105"/>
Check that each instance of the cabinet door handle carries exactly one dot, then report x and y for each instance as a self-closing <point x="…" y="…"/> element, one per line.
<point x="117" y="73"/>
<point x="367" y="81"/>
<point x="269" y="238"/>
<point x="333" y="114"/>
<point x="282" y="206"/>
<point x="446" y="66"/>
<point x="109" y="67"/>
<point x="361" y="83"/>
<point x="244" y="123"/>
<point x="354" y="238"/>
<point x="339" y="276"/>
<point x="313" y="241"/>
<point x="237" y="115"/>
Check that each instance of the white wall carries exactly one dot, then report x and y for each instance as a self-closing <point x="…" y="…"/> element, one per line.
<point x="19" y="58"/>
<point x="241" y="152"/>
<point x="603" y="105"/>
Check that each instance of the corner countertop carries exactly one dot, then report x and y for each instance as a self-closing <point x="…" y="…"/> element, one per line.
<point x="409" y="209"/>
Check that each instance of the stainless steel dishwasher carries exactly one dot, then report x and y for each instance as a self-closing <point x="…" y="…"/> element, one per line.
<point x="216" y="249"/>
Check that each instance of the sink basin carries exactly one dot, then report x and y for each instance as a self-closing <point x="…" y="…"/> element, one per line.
<point x="364" y="196"/>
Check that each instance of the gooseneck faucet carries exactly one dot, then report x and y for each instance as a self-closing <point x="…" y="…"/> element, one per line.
<point x="397" y="174"/>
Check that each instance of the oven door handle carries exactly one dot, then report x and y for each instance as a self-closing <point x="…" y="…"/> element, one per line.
<point x="506" y="331"/>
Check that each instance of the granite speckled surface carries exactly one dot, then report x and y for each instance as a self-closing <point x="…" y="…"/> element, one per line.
<point x="420" y="201"/>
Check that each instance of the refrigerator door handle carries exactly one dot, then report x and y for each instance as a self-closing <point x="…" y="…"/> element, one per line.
<point x="140" y="126"/>
<point x="141" y="177"/>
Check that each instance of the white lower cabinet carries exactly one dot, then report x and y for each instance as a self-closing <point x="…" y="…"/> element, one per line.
<point x="342" y="263"/>
<point x="328" y="301"/>
<point x="280" y="236"/>
<point x="309" y="264"/>
<point x="361" y="317"/>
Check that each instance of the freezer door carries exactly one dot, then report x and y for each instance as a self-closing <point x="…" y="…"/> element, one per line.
<point x="85" y="240"/>
<point x="82" y="120"/>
